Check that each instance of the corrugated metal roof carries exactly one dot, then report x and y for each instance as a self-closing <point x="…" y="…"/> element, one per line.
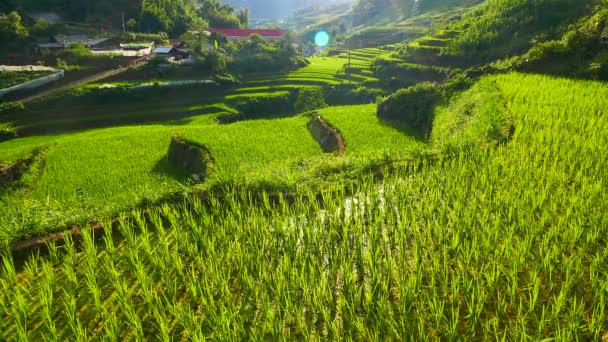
<point x="163" y="49"/>
<point x="50" y="46"/>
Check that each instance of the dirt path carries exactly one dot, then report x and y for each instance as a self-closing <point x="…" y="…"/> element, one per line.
<point x="89" y="79"/>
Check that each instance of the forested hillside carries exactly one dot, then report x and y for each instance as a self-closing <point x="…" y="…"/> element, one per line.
<point x="274" y="9"/>
<point x="172" y="16"/>
<point x="507" y="27"/>
<point x="408" y="7"/>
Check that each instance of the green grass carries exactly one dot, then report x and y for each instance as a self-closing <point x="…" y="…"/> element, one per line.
<point x="477" y="117"/>
<point x="87" y="176"/>
<point x="256" y="149"/>
<point x="365" y="135"/>
<point x="507" y="243"/>
<point x="83" y="171"/>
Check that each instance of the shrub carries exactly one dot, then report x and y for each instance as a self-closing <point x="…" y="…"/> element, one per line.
<point x="271" y="105"/>
<point x="346" y="94"/>
<point x="63" y="65"/>
<point x="395" y="74"/>
<point x="11" y="107"/>
<point x="412" y="106"/>
<point x="226" y="79"/>
<point x="309" y="99"/>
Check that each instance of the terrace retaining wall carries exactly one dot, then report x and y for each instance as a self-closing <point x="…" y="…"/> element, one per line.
<point x="37" y="83"/>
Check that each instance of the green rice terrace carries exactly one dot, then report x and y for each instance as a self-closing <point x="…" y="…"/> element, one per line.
<point x="426" y="187"/>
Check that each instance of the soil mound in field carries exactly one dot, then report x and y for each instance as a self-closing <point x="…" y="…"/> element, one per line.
<point x="11" y="173"/>
<point x="194" y="158"/>
<point x="327" y="136"/>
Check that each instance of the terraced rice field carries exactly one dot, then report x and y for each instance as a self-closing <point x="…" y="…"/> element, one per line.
<point x="82" y="171"/>
<point x="324" y="71"/>
<point x="366" y="135"/>
<point x="506" y="243"/>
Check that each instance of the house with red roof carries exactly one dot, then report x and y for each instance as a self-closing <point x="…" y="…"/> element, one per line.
<point x="243" y="34"/>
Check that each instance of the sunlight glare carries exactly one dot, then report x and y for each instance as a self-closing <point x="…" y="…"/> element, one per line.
<point x="322" y="38"/>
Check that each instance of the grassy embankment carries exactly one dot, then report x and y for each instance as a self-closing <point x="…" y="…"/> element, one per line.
<point x="505" y="243"/>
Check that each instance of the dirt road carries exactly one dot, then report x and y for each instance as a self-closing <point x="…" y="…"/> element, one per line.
<point x="89" y="79"/>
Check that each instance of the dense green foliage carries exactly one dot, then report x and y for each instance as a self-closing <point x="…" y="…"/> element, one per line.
<point x="12" y="31"/>
<point x="350" y="94"/>
<point x="412" y="106"/>
<point x="396" y="74"/>
<point x="266" y="105"/>
<point x="507" y="27"/>
<point x="173" y="16"/>
<point x="309" y="99"/>
<point x="581" y="51"/>
<point x="258" y="55"/>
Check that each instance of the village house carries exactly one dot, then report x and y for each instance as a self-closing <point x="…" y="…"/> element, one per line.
<point x="243" y="34"/>
<point x="164" y="52"/>
<point x="170" y="53"/>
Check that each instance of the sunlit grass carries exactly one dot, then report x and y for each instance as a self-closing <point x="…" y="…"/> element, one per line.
<point x="506" y="243"/>
<point x="365" y="134"/>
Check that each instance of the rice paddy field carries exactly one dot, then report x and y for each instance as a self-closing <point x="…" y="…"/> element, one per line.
<point x="325" y="71"/>
<point x="82" y="172"/>
<point x="503" y="243"/>
<point x="182" y="105"/>
<point x="91" y="147"/>
<point x="367" y="136"/>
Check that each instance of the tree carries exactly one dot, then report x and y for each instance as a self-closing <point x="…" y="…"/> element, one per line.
<point x="131" y="24"/>
<point x="243" y="16"/>
<point x="11" y="29"/>
<point x="43" y="28"/>
<point x="220" y="16"/>
<point x="216" y="61"/>
<point x="10" y="5"/>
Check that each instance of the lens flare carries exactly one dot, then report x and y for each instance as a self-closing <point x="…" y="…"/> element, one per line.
<point x="322" y="38"/>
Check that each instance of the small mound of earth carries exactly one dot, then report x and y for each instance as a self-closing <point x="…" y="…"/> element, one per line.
<point x="194" y="158"/>
<point x="11" y="173"/>
<point x="7" y="135"/>
<point x="327" y="136"/>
